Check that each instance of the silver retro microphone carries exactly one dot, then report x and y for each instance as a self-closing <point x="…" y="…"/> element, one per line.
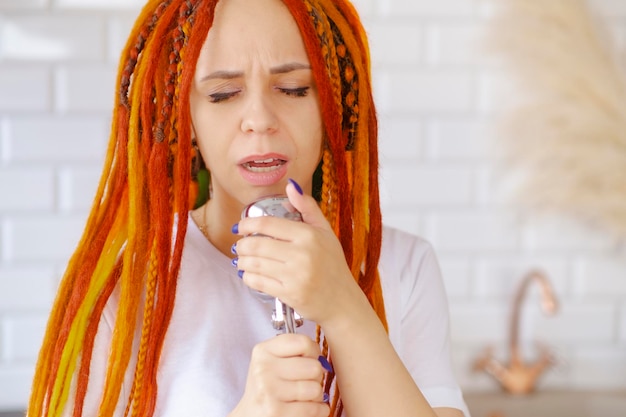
<point x="284" y="318"/>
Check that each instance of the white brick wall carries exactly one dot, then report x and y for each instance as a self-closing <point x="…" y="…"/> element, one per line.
<point x="24" y="88"/>
<point x="436" y="97"/>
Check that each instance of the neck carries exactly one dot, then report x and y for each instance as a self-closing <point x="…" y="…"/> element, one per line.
<point x="217" y="222"/>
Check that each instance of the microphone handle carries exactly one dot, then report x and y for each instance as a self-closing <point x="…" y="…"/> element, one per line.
<point x="284" y="318"/>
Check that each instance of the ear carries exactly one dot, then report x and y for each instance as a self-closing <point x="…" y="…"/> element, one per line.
<point x="192" y="128"/>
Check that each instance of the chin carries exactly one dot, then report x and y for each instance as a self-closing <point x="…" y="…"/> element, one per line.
<point x="262" y="192"/>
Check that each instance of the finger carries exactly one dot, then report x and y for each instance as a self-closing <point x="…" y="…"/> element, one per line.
<point x="306" y="205"/>
<point x="300" y="368"/>
<point x="291" y="345"/>
<point x="275" y="227"/>
<point x="266" y="284"/>
<point x="263" y="247"/>
<point x="256" y="256"/>
<point x="301" y="390"/>
<point x="312" y="409"/>
<point x="269" y="258"/>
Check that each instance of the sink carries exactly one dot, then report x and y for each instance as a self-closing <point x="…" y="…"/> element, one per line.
<point x="547" y="404"/>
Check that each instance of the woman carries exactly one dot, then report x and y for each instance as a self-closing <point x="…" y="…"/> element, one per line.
<point x="152" y="319"/>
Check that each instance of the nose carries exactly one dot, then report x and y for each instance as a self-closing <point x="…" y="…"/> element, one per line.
<point x="259" y="115"/>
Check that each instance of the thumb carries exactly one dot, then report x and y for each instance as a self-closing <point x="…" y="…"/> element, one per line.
<point x="306" y="205"/>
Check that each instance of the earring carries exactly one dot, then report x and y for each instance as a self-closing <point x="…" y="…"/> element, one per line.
<point x="196" y="159"/>
<point x="200" y="175"/>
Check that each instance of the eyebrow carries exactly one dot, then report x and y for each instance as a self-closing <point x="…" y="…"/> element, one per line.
<point x="281" y="69"/>
<point x="292" y="66"/>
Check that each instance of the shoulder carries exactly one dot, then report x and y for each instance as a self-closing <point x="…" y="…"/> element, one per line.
<point x="405" y="252"/>
<point x="394" y="239"/>
<point x="409" y="273"/>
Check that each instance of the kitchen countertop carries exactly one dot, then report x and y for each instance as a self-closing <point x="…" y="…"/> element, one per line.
<point x="548" y="404"/>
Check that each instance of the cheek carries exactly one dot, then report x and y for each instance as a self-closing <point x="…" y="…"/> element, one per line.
<point x="208" y="131"/>
<point x="213" y="147"/>
<point x="310" y="118"/>
<point x="208" y="141"/>
<point x="317" y="140"/>
<point x="313" y="145"/>
<point x="317" y="143"/>
<point x="205" y="116"/>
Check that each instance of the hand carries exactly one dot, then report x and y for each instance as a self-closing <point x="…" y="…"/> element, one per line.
<point x="302" y="264"/>
<point x="284" y="380"/>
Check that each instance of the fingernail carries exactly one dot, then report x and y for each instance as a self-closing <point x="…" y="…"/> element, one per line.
<point x="240" y="274"/>
<point x="233" y="249"/>
<point x="235" y="229"/>
<point x="234" y="261"/>
<point x="296" y="185"/>
<point x="326" y="397"/>
<point x="325" y="364"/>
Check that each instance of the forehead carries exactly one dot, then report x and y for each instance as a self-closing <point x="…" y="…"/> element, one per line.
<point x="253" y="28"/>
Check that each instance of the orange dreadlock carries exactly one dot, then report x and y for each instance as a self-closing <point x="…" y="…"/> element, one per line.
<point x="134" y="235"/>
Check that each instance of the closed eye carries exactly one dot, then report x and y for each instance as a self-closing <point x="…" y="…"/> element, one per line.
<point x="219" y="97"/>
<point x="295" y="92"/>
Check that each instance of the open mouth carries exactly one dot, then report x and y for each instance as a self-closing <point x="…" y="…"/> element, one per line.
<point x="264" y="165"/>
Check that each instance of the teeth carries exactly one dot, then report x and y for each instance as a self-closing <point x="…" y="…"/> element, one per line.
<point x="264" y="165"/>
<point x="261" y="169"/>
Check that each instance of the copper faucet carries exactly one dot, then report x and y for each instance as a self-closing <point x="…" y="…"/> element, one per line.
<point x="519" y="377"/>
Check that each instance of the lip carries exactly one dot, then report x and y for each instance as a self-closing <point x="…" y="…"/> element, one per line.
<point x="263" y="178"/>
<point x="251" y="158"/>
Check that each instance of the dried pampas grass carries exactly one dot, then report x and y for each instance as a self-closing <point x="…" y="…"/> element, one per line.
<point x="564" y="137"/>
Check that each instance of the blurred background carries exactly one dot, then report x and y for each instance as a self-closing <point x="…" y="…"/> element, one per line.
<point x="439" y="96"/>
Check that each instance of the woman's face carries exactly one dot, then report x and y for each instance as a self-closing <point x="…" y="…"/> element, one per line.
<point x="254" y="104"/>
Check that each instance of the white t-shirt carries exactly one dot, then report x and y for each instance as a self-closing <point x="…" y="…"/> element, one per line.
<point x="217" y="320"/>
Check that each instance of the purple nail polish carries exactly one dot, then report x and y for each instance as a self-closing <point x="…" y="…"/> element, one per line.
<point x="326" y="397"/>
<point x="235" y="228"/>
<point x="296" y="185"/>
<point x="234" y="262"/>
<point x="325" y="364"/>
<point x="240" y="274"/>
<point x="233" y="249"/>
